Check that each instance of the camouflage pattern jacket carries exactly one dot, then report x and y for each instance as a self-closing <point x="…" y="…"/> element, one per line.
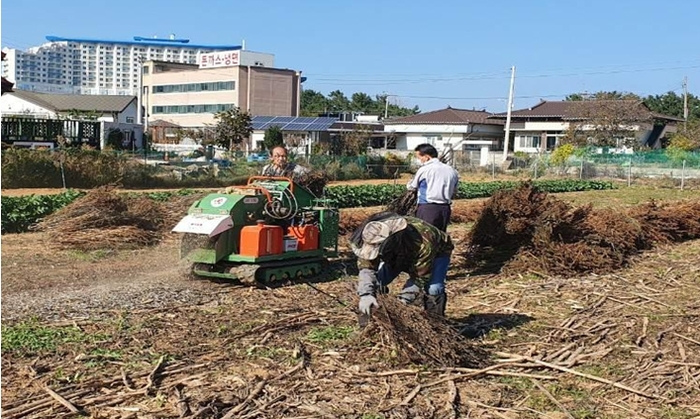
<point x="412" y="251"/>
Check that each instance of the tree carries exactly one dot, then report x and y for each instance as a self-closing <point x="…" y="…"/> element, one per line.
<point x="605" y="122"/>
<point x="273" y="138"/>
<point x="232" y="127"/>
<point x="337" y="102"/>
<point x="313" y="103"/>
<point x="352" y="143"/>
<point x="672" y="104"/>
<point x="687" y="138"/>
<point x="603" y="95"/>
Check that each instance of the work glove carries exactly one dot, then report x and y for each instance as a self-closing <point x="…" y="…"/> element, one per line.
<point x="408" y="295"/>
<point x="367" y="302"/>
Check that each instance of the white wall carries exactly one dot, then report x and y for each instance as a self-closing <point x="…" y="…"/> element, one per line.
<point x="129" y="112"/>
<point x="11" y="104"/>
<point x="423" y="129"/>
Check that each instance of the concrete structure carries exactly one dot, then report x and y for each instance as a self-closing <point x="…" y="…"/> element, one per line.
<point x="190" y="96"/>
<point x="106" y="67"/>
<point x="540" y="128"/>
<point x="117" y="109"/>
<point x="458" y="129"/>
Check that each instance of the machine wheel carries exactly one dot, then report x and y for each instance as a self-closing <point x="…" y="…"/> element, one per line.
<point x="272" y="278"/>
<point x="299" y="274"/>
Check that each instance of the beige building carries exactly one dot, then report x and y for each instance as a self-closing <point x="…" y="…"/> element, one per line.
<point x="189" y="95"/>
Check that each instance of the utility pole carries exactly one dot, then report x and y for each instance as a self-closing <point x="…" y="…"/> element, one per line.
<point x="685" y="102"/>
<point x="510" y="108"/>
<point x="139" y="94"/>
<point x="386" y="106"/>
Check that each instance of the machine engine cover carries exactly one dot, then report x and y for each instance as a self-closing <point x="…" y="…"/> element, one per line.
<point x="210" y="225"/>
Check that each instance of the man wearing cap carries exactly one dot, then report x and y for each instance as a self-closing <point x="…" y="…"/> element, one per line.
<point x="281" y="167"/>
<point x="387" y="244"/>
<point x="436" y="183"/>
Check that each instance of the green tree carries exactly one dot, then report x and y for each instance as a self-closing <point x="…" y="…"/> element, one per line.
<point x="337" y="102"/>
<point x="273" y="138"/>
<point x="231" y="128"/>
<point x="361" y="102"/>
<point x="313" y="103"/>
<point x="603" y="95"/>
<point x="687" y="138"/>
<point x="672" y="104"/>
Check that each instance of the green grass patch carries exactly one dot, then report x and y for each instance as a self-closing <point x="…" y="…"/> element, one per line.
<point x="31" y="337"/>
<point x="329" y="333"/>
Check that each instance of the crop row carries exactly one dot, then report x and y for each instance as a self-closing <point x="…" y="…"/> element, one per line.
<point x="19" y="213"/>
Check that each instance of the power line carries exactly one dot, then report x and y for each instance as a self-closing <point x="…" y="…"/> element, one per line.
<point x="614" y="66"/>
<point x="368" y="82"/>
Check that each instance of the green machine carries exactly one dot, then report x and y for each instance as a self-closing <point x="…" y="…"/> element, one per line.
<point x="229" y="235"/>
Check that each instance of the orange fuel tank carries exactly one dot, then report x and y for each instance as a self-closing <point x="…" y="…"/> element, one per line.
<point x="261" y="240"/>
<point x="307" y="236"/>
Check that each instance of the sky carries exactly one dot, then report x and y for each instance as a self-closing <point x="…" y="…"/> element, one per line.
<point x="431" y="54"/>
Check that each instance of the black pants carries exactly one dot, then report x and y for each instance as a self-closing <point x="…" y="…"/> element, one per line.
<point x="437" y="215"/>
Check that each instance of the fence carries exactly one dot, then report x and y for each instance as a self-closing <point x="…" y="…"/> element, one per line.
<point x="676" y="167"/>
<point x="25" y="130"/>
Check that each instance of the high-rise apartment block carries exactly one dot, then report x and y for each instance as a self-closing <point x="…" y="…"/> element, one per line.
<point x="104" y="67"/>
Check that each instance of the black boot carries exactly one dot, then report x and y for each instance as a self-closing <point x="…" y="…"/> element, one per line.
<point x="435" y="304"/>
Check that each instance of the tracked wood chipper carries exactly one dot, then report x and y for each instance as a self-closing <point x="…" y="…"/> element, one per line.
<point x="269" y="230"/>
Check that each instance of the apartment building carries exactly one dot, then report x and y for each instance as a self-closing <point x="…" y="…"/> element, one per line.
<point x="190" y="95"/>
<point x="104" y="67"/>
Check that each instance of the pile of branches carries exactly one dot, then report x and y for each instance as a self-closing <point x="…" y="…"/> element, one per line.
<point x="417" y="337"/>
<point x="404" y="204"/>
<point x="314" y="181"/>
<point x="528" y="230"/>
<point x="103" y="219"/>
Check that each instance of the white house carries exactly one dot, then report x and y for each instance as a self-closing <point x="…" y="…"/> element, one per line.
<point x="111" y="109"/>
<point x="541" y="127"/>
<point x="460" y="129"/>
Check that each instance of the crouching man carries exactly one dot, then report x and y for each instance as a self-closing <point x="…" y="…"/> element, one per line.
<point x="387" y="244"/>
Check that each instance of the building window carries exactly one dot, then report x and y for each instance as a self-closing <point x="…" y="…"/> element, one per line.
<point x="195" y="87"/>
<point x="185" y="109"/>
<point x="129" y="119"/>
<point x="529" y="141"/>
<point x="432" y="139"/>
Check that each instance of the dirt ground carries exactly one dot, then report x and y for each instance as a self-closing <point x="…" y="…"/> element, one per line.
<point x="129" y="334"/>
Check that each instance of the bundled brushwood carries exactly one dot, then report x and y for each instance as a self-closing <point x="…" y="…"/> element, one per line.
<point x="668" y="222"/>
<point x="104" y="219"/>
<point x="418" y="338"/>
<point x="314" y="181"/>
<point x="404" y="204"/>
<point x="527" y="230"/>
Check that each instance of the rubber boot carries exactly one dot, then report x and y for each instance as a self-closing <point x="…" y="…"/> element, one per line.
<point x="435" y="304"/>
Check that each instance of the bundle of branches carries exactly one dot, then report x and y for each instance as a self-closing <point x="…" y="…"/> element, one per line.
<point x="103" y="219"/>
<point x="419" y="338"/>
<point x="314" y="181"/>
<point x="668" y="222"/>
<point x="404" y="204"/>
<point x="527" y="230"/>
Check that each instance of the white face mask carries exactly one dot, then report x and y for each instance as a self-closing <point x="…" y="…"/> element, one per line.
<point x="418" y="162"/>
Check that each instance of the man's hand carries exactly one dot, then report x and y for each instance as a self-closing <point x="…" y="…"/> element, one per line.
<point x="367" y="302"/>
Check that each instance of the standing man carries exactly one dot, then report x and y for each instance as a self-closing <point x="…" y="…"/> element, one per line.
<point x="281" y="167"/>
<point x="387" y="244"/>
<point x="436" y="183"/>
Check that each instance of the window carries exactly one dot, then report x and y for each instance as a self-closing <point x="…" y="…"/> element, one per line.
<point x="529" y="141"/>
<point x="195" y="87"/>
<point x="431" y="139"/>
<point x="129" y="119"/>
<point x="184" y="109"/>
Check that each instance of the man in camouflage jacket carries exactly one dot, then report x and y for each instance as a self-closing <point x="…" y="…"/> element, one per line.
<point x="281" y="167"/>
<point x="387" y="244"/>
